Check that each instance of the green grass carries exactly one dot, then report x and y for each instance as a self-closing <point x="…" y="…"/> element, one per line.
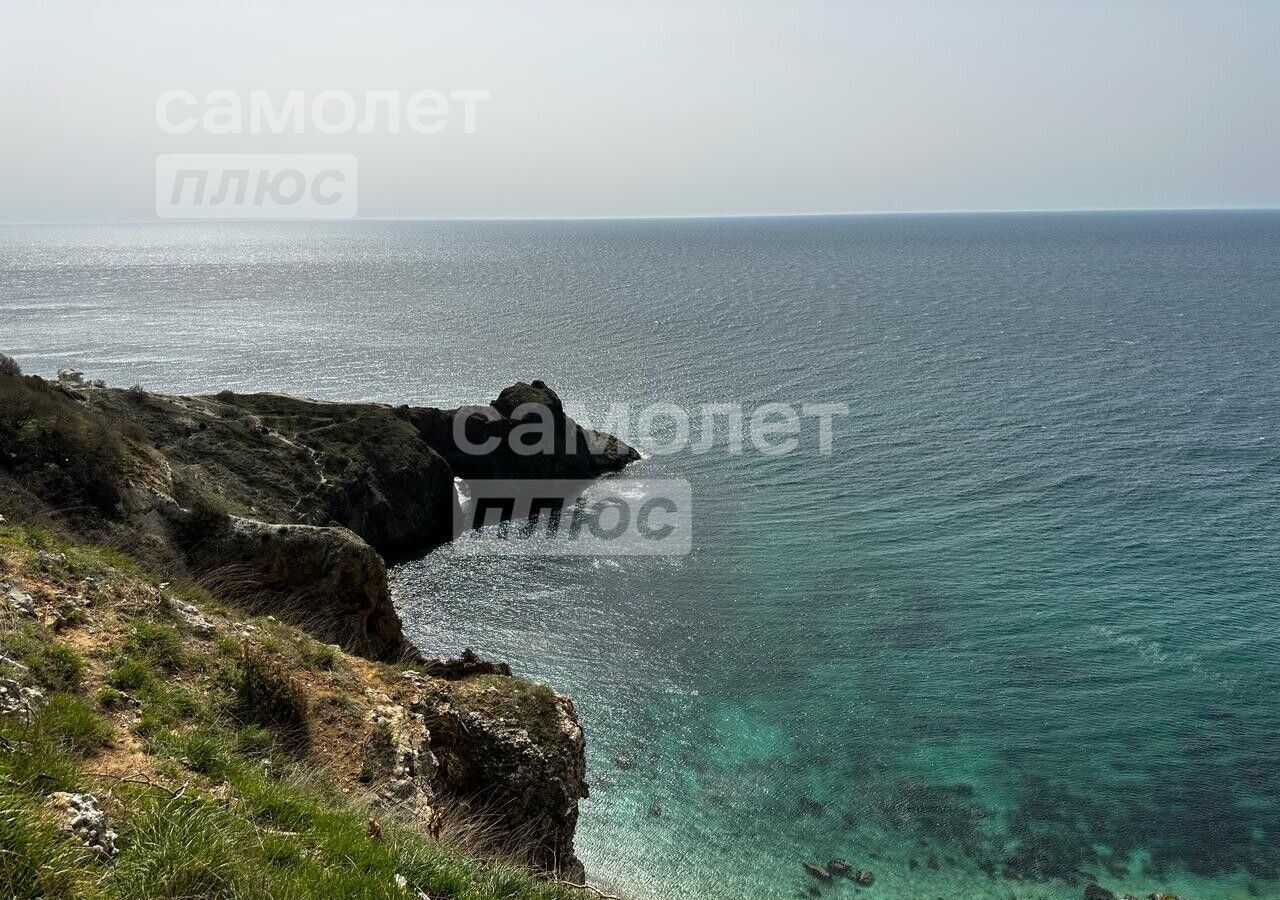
<point x="273" y="802"/>
<point x="159" y="645"/>
<point x="34" y="759"/>
<point x="254" y="740"/>
<point x="213" y="716"/>
<point x="104" y="558"/>
<point x="71" y="724"/>
<point x="200" y="751"/>
<point x="273" y="837"/>
<point x="181" y="847"/>
<point x="280" y="841"/>
<point x="130" y="674"/>
<point x="167" y="706"/>
<point x="111" y="699"/>
<point x="315" y="655"/>
<point x="29" y="537"/>
<point x="79" y="560"/>
<point x="54" y="666"/>
<point x="34" y="861"/>
<point x="166" y="703"/>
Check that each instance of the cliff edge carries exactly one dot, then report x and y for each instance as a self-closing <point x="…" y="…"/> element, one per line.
<point x="285" y="507"/>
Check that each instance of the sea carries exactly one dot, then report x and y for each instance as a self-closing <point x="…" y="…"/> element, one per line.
<point x="1013" y="630"/>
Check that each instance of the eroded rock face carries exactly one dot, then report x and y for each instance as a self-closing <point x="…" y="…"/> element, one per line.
<point x="515" y="754"/>
<point x="301" y="462"/>
<point x="325" y="580"/>
<point x="488" y="749"/>
<point x="397" y="761"/>
<point x="316" y="488"/>
<point x="384" y="472"/>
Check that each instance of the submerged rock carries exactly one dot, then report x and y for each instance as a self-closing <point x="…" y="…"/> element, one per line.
<point x="1097" y="892"/>
<point x="807" y="806"/>
<point x="817" y="871"/>
<point x="864" y="877"/>
<point x="839" y="866"/>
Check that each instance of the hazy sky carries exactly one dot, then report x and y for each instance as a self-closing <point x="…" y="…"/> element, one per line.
<point x="681" y="108"/>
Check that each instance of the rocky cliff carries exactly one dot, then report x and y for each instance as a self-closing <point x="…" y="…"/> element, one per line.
<point x="288" y="460"/>
<point x="524" y="433"/>
<point x="201" y="479"/>
<point x="235" y="756"/>
<point x="286" y="506"/>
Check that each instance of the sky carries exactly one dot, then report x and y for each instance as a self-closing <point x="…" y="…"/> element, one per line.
<point x="660" y="108"/>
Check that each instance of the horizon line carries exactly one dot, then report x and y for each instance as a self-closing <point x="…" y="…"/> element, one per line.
<point x="657" y="217"/>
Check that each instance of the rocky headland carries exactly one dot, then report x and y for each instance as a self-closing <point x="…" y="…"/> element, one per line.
<point x="255" y="527"/>
<point x="293" y="503"/>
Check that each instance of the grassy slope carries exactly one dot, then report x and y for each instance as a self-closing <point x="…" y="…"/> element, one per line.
<point x="204" y="783"/>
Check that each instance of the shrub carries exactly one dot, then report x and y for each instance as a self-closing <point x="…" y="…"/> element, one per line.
<point x="268" y="693"/>
<point x="57" y="450"/>
<point x="207" y="517"/>
<point x="9" y="365"/>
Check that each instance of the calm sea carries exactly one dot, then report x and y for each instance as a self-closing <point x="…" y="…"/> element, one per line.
<point x="1019" y="627"/>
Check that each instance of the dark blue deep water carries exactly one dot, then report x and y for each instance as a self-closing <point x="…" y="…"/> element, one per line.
<point x="1018" y="630"/>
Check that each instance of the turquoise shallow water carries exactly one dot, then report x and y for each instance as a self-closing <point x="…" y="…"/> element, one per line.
<point x="1016" y="631"/>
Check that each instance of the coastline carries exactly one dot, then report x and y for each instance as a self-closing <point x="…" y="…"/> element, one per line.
<point x="1059" y="507"/>
<point x="281" y="507"/>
